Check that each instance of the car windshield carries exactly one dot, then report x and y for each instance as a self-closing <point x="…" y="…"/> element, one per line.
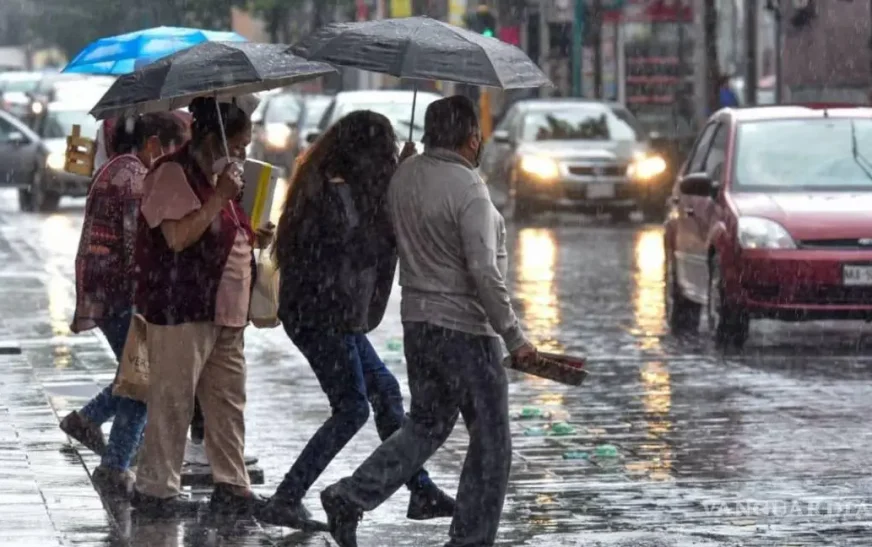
<point x="314" y="111"/>
<point x="792" y="155"/>
<point x="59" y="124"/>
<point x="593" y="123"/>
<point x="283" y="109"/>
<point x="398" y="111"/>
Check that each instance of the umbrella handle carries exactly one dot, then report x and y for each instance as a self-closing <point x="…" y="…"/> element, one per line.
<point x="414" y="104"/>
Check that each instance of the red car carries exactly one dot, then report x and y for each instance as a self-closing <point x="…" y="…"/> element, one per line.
<point x="771" y="217"/>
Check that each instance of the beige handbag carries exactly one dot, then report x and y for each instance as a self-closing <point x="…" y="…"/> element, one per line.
<point x="132" y="378"/>
<point x="263" y="310"/>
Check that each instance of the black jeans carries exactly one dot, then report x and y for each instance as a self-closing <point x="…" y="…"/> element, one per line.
<point x="354" y="378"/>
<point x="450" y="373"/>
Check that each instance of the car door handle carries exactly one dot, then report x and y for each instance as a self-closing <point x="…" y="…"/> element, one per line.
<point x="689" y="211"/>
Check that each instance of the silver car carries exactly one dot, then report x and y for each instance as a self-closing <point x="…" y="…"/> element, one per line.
<point x="587" y="156"/>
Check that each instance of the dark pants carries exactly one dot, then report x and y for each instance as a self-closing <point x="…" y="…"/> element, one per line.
<point x="449" y="372"/>
<point x="198" y="423"/>
<point x="353" y="377"/>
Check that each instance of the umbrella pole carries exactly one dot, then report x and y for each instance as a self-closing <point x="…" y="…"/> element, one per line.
<point x="226" y="148"/>
<point x="414" y="104"/>
<point x="221" y="125"/>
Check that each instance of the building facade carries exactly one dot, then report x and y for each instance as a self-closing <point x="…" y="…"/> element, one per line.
<point x="826" y="55"/>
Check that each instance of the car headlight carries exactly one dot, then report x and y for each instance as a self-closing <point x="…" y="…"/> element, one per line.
<point x="540" y="167"/>
<point x="56" y="161"/>
<point x="646" y="168"/>
<point x="277" y="135"/>
<point x="762" y="233"/>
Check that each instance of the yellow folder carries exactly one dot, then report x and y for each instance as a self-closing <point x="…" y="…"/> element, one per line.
<point x="257" y="194"/>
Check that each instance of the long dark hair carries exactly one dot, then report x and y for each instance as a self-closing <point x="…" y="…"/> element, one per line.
<point x="361" y="149"/>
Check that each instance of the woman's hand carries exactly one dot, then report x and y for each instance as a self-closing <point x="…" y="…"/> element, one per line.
<point x="408" y="151"/>
<point x="229" y="182"/>
<point x="264" y="236"/>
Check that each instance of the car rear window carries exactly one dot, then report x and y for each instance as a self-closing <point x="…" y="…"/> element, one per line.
<point x="804" y="154"/>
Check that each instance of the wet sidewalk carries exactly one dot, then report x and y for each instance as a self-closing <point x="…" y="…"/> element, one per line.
<point x="670" y="444"/>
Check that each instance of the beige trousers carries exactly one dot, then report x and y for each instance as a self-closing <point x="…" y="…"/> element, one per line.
<point x="205" y="360"/>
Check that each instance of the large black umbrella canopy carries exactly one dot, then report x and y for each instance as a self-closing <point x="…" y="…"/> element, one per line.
<point x="423" y="49"/>
<point x="213" y="69"/>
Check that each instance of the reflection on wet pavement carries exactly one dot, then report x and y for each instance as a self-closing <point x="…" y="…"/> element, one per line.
<point x="668" y="444"/>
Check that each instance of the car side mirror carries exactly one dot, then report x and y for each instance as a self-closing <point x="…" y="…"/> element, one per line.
<point x="312" y="137"/>
<point x="699" y="185"/>
<point x="502" y="137"/>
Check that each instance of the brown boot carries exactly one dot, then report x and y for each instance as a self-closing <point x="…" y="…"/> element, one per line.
<point x="86" y="432"/>
<point x="113" y="482"/>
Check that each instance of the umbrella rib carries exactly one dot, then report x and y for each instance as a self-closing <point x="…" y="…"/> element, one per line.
<point x="495" y="73"/>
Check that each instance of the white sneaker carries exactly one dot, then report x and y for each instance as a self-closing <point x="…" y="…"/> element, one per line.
<point x="195" y="454"/>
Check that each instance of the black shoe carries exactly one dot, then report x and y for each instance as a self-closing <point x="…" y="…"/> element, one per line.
<point x="291" y="514"/>
<point x="429" y="502"/>
<point x="342" y="517"/>
<point x="179" y="505"/>
<point x="86" y="432"/>
<point x="226" y="500"/>
<point x="113" y="482"/>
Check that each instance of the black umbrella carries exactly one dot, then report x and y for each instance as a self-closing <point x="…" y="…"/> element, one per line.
<point x="210" y="69"/>
<point x="421" y="48"/>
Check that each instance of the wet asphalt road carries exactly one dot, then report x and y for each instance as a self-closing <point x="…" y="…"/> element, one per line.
<point x="767" y="447"/>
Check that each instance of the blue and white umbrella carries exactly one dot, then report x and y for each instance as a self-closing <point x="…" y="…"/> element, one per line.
<point x="125" y="53"/>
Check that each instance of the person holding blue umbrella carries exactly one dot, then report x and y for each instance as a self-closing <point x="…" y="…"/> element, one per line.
<point x="120" y="55"/>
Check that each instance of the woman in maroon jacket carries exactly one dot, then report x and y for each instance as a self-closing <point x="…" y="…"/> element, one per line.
<point x="195" y="263"/>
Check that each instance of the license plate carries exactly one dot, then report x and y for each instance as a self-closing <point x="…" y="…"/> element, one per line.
<point x="856" y="275"/>
<point x="600" y="191"/>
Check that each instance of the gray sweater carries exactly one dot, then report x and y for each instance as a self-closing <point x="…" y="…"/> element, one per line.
<point x="452" y="248"/>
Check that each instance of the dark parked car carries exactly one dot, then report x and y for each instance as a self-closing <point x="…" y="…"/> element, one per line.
<point x="21" y="151"/>
<point x="572" y="154"/>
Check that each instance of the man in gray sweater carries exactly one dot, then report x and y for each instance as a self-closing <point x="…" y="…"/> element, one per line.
<point x="455" y="307"/>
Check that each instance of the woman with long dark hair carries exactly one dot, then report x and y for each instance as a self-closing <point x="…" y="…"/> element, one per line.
<point x="337" y="258"/>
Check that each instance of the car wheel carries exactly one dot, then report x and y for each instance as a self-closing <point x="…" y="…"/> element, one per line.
<point x="42" y="200"/>
<point x="728" y="322"/>
<point x="682" y="314"/>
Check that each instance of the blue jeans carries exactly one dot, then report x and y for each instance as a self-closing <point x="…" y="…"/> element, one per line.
<point x="129" y="423"/>
<point x="353" y="377"/>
